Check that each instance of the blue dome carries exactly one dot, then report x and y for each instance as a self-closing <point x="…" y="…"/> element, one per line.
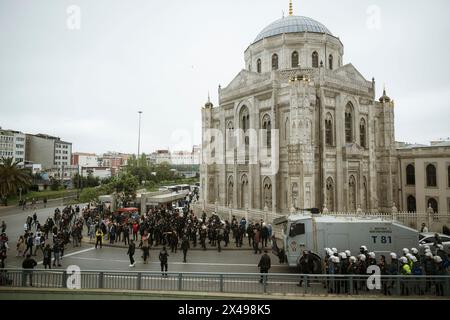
<point x="292" y="24"/>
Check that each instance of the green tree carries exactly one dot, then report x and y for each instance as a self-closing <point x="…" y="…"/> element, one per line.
<point x="55" y="184"/>
<point x="12" y="177"/>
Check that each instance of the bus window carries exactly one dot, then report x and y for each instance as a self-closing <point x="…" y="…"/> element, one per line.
<point x="297" y="229"/>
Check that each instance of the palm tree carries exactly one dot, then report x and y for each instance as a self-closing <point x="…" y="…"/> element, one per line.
<point x="12" y="177"/>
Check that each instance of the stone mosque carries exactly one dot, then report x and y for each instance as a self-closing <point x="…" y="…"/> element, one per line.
<point x="317" y="120"/>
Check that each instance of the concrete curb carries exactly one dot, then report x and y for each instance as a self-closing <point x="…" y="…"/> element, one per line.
<point x="11" y="294"/>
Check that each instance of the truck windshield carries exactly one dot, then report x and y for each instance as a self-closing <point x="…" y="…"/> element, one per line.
<point x="297" y="229"/>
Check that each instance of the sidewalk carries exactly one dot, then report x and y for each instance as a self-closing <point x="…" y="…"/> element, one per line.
<point x="8" y="293"/>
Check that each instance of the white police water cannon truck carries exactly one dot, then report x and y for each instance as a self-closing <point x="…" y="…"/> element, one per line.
<point x="314" y="232"/>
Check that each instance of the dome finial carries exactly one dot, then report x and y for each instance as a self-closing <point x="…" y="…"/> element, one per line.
<point x="209" y="100"/>
<point x="290" y="8"/>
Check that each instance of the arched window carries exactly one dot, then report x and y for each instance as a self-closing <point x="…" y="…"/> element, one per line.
<point x="329" y="130"/>
<point x="244" y="124"/>
<point x="244" y="118"/>
<point x="267" y="127"/>
<point x="362" y="133"/>
<point x="274" y="61"/>
<point x="411" y="203"/>
<point x="348" y="123"/>
<point x="352" y="194"/>
<point x="258" y="65"/>
<point x="433" y="203"/>
<point x="230" y="190"/>
<point x="431" y="175"/>
<point x="330" y="194"/>
<point x="315" y="59"/>
<point x="330" y="62"/>
<point x="410" y="175"/>
<point x="267" y="193"/>
<point x="286" y="130"/>
<point x="230" y="135"/>
<point x="294" y="59"/>
<point x="364" y="195"/>
<point x="244" y="192"/>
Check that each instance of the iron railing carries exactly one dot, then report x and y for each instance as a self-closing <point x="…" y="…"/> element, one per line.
<point x="253" y="283"/>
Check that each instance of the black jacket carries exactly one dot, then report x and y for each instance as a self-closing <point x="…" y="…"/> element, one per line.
<point x="131" y="249"/>
<point x="29" y="263"/>
<point x="163" y="256"/>
<point x="264" y="263"/>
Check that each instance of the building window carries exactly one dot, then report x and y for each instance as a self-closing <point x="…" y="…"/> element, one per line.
<point x="245" y="123"/>
<point x="410" y="175"/>
<point x="433" y="204"/>
<point x="431" y="175"/>
<point x="448" y="177"/>
<point x="348" y="123"/>
<point x="267" y="193"/>
<point x="230" y="135"/>
<point x="275" y="62"/>
<point x="286" y="130"/>
<point x="330" y="62"/>
<point x="258" y="65"/>
<point x="329" y="130"/>
<point x="315" y="59"/>
<point x="352" y="194"/>
<point x="267" y="128"/>
<point x="362" y="133"/>
<point x="411" y="203"/>
<point x="330" y="194"/>
<point x="294" y="59"/>
<point x="230" y="190"/>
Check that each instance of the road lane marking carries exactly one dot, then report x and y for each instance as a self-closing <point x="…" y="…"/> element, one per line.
<point x="183" y="263"/>
<point x="72" y="254"/>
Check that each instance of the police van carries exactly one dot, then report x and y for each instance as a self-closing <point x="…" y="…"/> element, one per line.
<point x="315" y="232"/>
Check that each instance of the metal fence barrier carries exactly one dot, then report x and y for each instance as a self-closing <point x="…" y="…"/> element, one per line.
<point x="256" y="283"/>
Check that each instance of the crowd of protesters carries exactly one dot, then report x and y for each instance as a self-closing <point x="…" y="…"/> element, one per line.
<point x="176" y="229"/>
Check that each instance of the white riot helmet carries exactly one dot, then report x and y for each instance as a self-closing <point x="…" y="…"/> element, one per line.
<point x="414" y="259"/>
<point x="429" y="254"/>
<point x="403" y="260"/>
<point x="405" y="251"/>
<point x="348" y="253"/>
<point x="414" y="251"/>
<point x="335" y="259"/>
<point x="364" y="248"/>
<point x="426" y="247"/>
<point x="428" y="250"/>
<point x="343" y="255"/>
<point x="440" y="246"/>
<point x="409" y="256"/>
<point x="372" y="255"/>
<point x="334" y="250"/>
<point x="353" y="259"/>
<point x="362" y="257"/>
<point x="393" y="255"/>
<point x="437" y="259"/>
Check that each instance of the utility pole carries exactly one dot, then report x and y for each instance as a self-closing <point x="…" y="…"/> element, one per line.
<point x="139" y="138"/>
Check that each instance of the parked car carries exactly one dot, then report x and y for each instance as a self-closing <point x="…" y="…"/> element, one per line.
<point x="428" y="238"/>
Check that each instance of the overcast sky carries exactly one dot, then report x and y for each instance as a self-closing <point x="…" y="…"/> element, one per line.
<point x="86" y="85"/>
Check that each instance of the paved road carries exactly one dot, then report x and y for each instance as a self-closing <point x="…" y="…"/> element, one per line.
<point x="115" y="258"/>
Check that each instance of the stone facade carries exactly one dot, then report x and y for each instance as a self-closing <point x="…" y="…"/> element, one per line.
<point x="424" y="175"/>
<point x="298" y="129"/>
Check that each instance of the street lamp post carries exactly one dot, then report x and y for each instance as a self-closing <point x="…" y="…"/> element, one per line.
<point x="139" y="138"/>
